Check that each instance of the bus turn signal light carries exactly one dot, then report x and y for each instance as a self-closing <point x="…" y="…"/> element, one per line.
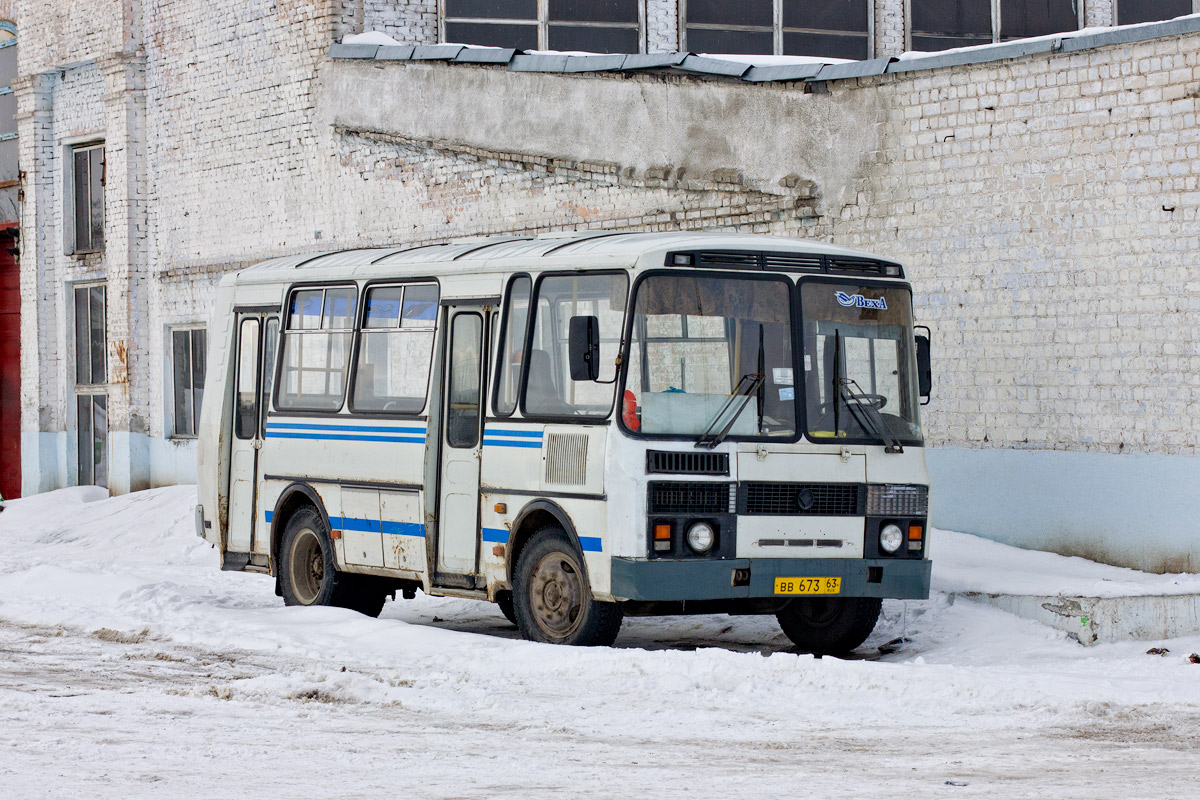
<point x="662" y="536"/>
<point x="915" y="532"/>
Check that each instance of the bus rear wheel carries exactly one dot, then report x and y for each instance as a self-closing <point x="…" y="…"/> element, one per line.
<point x="308" y="577"/>
<point x="829" y="625"/>
<point x="552" y="600"/>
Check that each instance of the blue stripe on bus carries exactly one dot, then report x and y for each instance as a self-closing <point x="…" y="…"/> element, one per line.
<point x="376" y="526"/>
<point x="495" y="535"/>
<point x="509" y="443"/>
<point x="369" y="525"/>
<point x="589" y="544"/>
<point x="375" y="428"/>
<point x="347" y="437"/>
<point x="504" y="432"/>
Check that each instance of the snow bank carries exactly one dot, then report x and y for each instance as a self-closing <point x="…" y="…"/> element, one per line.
<point x="964" y="563"/>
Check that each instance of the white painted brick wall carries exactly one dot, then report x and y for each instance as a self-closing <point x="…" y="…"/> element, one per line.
<point x="1028" y="197"/>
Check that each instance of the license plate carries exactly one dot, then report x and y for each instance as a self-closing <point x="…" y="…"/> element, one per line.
<point x="808" y="585"/>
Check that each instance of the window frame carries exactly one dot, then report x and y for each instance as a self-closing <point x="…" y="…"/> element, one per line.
<point x="360" y="327"/>
<point x="284" y="310"/>
<point x="777" y="29"/>
<point x="534" y="298"/>
<point x="997" y="24"/>
<point x="189" y="328"/>
<point x="71" y="245"/>
<point x="543" y="23"/>
<point x="502" y="341"/>
<point x="89" y="390"/>
<point x="792" y="284"/>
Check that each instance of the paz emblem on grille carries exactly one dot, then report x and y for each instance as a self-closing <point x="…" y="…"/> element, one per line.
<point x="805" y="499"/>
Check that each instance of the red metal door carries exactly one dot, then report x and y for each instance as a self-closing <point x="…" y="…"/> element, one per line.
<point x="10" y="366"/>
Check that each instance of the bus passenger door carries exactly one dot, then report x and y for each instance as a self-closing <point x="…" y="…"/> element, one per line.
<point x="458" y="491"/>
<point x="253" y="349"/>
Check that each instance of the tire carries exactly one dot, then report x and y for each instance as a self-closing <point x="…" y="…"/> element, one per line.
<point x="834" y="625"/>
<point x="307" y="575"/>
<point x="551" y="597"/>
<point x="504" y="602"/>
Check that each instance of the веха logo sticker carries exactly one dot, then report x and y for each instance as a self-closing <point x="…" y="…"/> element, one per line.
<point x="858" y="301"/>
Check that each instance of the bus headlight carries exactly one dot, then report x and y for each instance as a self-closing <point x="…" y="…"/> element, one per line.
<point x="700" y="537"/>
<point x="890" y="538"/>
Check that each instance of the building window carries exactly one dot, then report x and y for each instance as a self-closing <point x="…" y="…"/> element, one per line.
<point x="946" y="24"/>
<point x="829" y="29"/>
<point x="594" y="26"/>
<point x="91" y="398"/>
<point x="1130" y="12"/>
<point x="85" y="198"/>
<point x="187" y="379"/>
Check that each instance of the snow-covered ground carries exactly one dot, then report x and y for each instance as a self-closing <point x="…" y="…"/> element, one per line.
<point x="130" y="666"/>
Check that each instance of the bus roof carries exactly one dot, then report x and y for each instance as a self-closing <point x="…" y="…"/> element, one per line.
<point x="504" y="253"/>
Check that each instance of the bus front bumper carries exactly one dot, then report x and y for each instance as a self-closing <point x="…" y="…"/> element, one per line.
<point x="663" y="580"/>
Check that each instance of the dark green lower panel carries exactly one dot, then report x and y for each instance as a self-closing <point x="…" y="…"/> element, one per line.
<point x="640" y="579"/>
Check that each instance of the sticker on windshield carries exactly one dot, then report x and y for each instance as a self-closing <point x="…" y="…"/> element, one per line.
<point x="858" y="301"/>
<point x="782" y="376"/>
<point x="807" y="363"/>
<point x="787" y="393"/>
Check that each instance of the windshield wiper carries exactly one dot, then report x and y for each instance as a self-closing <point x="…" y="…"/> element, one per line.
<point x="747" y="387"/>
<point x="867" y="415"/>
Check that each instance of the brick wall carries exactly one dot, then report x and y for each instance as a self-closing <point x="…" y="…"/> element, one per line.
<point x="1047" y="206"/>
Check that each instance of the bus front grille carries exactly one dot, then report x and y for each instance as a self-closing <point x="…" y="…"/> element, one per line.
<point x="803" y="499"/>
<point x="688" y="497"/>
<point x="687" y="463"/>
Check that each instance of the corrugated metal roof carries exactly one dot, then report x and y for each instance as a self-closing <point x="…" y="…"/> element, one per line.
<point x="519" y="61"/>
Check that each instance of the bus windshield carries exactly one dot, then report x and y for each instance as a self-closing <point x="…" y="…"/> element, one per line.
<point x="859" y="364"/>
<point x="697" y="339"/>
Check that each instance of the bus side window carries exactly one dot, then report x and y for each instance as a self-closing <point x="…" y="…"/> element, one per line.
<point x="246" y="414"/>
<point x="270" y="343"/>
<point x="316" y="347"/>
<point x="512" y="345"/>
<point x="395" y="348"/>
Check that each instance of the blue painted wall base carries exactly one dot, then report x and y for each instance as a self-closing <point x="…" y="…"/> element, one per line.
<point x="1138" y="511"/>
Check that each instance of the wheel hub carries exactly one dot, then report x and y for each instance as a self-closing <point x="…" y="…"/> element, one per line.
<point x="557" y="595"/>
<point x="308" y="566"/>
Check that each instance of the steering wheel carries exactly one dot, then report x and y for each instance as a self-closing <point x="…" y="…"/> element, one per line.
<point x="876" y="401"/>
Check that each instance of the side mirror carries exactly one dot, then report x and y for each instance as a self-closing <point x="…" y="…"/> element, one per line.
<point x="583" y="348"/>
<point x="924" y="368"/>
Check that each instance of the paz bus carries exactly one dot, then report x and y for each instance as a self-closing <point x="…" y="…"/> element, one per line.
<point x="577" y="427"/>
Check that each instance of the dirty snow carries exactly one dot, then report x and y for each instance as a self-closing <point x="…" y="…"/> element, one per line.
<point x="133" y="667"/>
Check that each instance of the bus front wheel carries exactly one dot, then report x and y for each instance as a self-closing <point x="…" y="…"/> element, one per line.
<point x="307" y="575"/>
<point x="552" y="600"/>
<point x="832" y="625"/>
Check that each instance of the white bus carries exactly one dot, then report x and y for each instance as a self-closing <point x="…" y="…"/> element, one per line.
<point x="577" y="427"/>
